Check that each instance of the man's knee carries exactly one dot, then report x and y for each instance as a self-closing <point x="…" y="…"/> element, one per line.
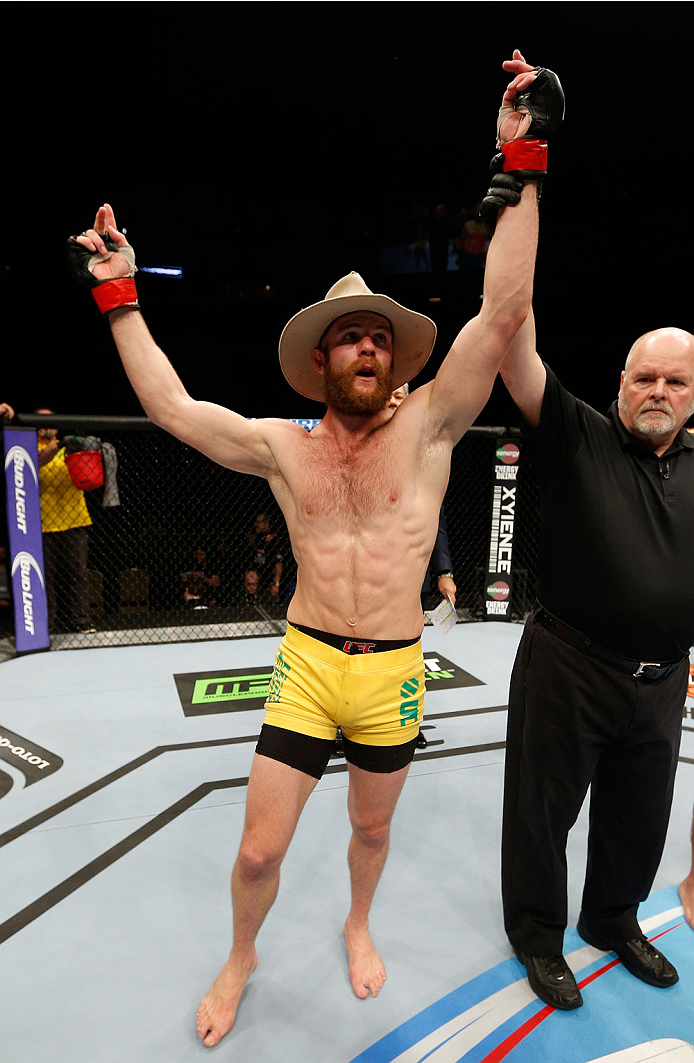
<point x="258" y="859"/>
<point x="371" y="830"/>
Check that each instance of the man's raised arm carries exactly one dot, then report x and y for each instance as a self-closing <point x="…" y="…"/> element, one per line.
<point x="102" y="259"/>
<point x="533" y="104"/>
<point x="524" y="374"/>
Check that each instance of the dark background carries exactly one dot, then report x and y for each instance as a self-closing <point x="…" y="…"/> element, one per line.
<point x="264" y="147"/>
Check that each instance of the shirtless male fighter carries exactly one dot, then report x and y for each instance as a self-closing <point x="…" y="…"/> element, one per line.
<point x="361" y="495"/>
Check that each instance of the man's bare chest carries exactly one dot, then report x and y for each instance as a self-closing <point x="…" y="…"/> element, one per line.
<point x="362" y="484"/>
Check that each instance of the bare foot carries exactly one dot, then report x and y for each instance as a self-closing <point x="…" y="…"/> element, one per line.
<point x="366" y="971"/>
<point x="217" y="1013"/>
<point x="686" y="892"/>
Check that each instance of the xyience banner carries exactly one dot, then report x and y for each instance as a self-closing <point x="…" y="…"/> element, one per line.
<point x="26" y="550"/>
<point x="498" y="580"/>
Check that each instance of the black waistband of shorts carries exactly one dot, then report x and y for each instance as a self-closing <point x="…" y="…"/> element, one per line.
<point x="639" y="669"/>
<point x="350" y="644"/>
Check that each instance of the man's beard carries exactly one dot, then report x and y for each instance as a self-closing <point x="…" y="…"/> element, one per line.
<point x="662" y="423"/>
<point x="342" y="396"/>
<point x="654" y="421"/>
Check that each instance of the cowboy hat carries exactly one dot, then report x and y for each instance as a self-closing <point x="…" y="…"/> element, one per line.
<point x="413" y="335"/>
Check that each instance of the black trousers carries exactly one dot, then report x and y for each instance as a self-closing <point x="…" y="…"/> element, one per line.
<point x="575" y="722"/>
<point x="65" y="558"/>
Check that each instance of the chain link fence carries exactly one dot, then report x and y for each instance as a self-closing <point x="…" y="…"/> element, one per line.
<point x="193" y="551"/>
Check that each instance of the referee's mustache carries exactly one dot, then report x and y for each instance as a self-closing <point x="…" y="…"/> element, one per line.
<point x="664" y="407"/>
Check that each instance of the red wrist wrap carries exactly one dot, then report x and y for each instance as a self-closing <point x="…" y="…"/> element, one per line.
<point x="113" y="294"/>
<point x="525" y="154"/>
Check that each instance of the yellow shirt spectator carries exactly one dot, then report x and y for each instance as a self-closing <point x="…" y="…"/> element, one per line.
<point x="62" y="504"/>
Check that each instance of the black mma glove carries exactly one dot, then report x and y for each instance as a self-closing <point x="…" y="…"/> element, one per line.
<point x="504" y="191"/>
<point x="524" y="158"/>
<point x="544" y="102"/>
<point x="112" y="294"/>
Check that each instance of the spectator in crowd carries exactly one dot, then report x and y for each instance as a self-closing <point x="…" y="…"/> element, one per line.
<point x="253" y="593"/>
<point x="251" y="583"/>
<point x="195" y="592"/>
<point x="202" y="572"/>
<point x="64" y="522"/>
<point x="6" y="410"/>
<point x="252" y="602"/>
<point x="265" y="553"/>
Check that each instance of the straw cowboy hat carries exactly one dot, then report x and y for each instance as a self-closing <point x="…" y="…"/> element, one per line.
<point x="413" y="335"/>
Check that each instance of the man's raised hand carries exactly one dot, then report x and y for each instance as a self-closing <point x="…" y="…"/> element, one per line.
<point x="110" y="263"/>
<point x="513" y="123"/>
<point x="532" y="108"/>
<point x="102" y="259"/>
<point x="533" y="104"/>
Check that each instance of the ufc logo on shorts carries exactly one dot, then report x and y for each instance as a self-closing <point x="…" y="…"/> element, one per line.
<point x="358" y="647"/>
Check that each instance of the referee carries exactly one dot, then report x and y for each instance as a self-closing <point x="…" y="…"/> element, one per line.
<point x="600" y="677"/>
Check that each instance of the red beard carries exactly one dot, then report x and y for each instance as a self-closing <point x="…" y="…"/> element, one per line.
<point x="342" y="396"/>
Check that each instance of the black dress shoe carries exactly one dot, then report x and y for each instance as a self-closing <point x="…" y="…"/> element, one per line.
<point x="421" y="742"/>
<point x="552" y="981"/>
<point x="638" y="956"/>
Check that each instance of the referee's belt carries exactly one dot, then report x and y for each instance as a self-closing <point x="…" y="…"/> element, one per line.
<point x="639" y="669"/>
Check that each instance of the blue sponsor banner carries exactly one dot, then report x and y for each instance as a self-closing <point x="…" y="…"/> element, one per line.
<point x="306" y="422"/>
<point x="26" y="545"/>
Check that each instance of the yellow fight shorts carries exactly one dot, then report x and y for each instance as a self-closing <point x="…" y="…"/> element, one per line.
<point x="375" y="696"/>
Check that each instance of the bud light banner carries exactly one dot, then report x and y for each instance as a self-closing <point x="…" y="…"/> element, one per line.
<point x="498" y="585"/>
<point x="26" y="550"/>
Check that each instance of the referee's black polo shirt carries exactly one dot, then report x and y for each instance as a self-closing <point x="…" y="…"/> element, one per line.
<point x="617" y="543"/>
